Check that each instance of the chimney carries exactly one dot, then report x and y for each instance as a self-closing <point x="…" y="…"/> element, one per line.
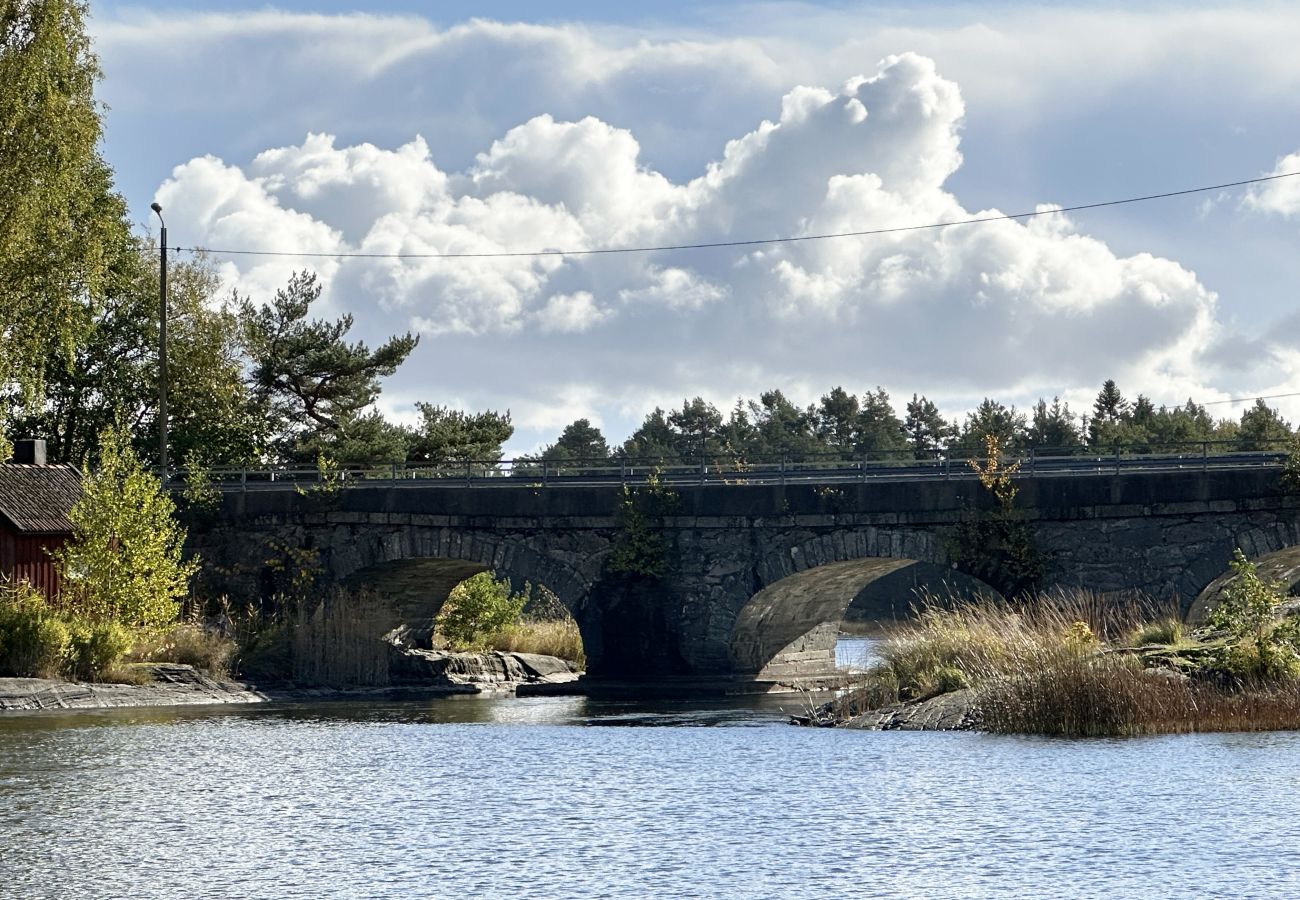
<point x="29" y="452"/>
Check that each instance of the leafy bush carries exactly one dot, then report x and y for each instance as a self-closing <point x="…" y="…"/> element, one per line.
<point x="1264" y="648"/>
<point x="95" y="648"/>
<point x="124" y="561"/>
<point x="477" y="607"/>
<point x="34" y="639"/>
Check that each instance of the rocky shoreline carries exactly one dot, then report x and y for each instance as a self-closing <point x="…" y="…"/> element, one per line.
<point x="953" y="711"/>
<point x="419" y="673"/>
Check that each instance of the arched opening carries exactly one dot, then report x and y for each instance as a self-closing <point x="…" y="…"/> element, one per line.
<point x="490" y="612"/>
<point x="1281" y="565"/>
<point x="789" y="631"/>
<point x="422" y="592"/>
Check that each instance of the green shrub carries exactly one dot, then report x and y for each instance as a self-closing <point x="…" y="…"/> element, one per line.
<point x="477" y="607"/>
<point x="33" y="639"/>
<point x="1264" y="648"/>
<point x="96" y="647"/>
<point x="1166" y="632"/>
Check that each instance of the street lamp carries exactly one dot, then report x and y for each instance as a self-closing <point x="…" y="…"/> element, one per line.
<point x="162" y="346"/>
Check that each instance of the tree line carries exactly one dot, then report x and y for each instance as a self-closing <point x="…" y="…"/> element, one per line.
<point x="843" y="424"/>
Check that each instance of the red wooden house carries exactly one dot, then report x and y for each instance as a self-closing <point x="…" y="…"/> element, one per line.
<point x="35" y="500"/>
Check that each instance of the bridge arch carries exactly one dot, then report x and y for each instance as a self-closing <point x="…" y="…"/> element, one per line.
<point x="416" y="567"/>
<point x="1278" y="565"/>
<point x="788" y="629"/>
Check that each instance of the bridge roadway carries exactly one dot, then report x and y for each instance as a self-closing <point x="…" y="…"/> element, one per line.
<point x="754" y="577"/>
<point x="528" y="473"/>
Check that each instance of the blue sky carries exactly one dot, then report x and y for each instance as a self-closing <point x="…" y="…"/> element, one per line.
<point x="601" y="123"/>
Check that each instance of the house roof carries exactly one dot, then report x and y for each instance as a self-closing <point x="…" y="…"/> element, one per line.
<point x="37" y="499"/>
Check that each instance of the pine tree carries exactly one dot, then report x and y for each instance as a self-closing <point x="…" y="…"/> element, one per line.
<point x="878" y="428"/>
<point x="925" y="427"/>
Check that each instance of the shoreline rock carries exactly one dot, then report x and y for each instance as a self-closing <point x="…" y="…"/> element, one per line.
<point x="421" y="673"/>
<point x="173" y="685"/>
<point x="953" y="711"/>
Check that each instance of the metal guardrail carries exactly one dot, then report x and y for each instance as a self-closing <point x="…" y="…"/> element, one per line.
<point x="717" y="470"/>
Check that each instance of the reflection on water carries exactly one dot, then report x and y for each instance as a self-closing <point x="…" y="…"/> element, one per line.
<point x="533" y="797"/>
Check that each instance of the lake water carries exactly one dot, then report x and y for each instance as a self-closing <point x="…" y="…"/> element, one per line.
<point x="571" y="797"/>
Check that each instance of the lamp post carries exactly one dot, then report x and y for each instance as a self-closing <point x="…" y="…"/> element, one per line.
<point x="162" y="346"/>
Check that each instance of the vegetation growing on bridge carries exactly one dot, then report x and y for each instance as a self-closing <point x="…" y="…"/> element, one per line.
<point x="994" y="543"/>
<point x="641" y="547"/>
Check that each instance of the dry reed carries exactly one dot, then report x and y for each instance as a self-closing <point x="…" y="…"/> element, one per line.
<point x="340" y="642"/>
<point x="558" y="637"/>
<point x="1057" y="664"/>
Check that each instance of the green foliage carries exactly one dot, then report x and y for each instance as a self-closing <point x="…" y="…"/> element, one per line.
<point x="304" y="373"/>
<point x="1263" y="648"/>
<point x="654" y="440"/>
<point x="926" y="429"/>
<point x="1168" y="632"/>
<point x="1248" y="604"/>
<point x="640" y="545"/>
<point x="1053" y="427"/>
<point x="112" y="373"/>
<point x="60" y="222"/>
<point x="580" y="442"/>
<point x="367" y="439"/>
<point x="995" y="544"/>
<point x="477" y="607"/>
<point x="124" y="562"/>
<point x="34" y="638"/>
<point x="1291" y="468"/>
<point x="1263" y="428"/>
<point x="877" y="427"/>
<point x="990" y="420"/>
<point x="325" y="492"/>
<point x="199" y="498"/>
<point x="39" y="641"/>
<point x="447" y="435"/>
<point x="96" y="647"/>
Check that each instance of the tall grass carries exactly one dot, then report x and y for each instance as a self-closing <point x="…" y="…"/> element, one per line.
<point x="1113" y="695"/>
<point x="340" y="642"/>
<point x="557" y="637"/>
<point x="1063" y="664"/>
<point x="188" y="643"/>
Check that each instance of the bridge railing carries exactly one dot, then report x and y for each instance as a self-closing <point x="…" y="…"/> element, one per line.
<point x="720" y="469"/>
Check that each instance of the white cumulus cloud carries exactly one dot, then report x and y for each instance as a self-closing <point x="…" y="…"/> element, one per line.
<point x="1003" y="308"/>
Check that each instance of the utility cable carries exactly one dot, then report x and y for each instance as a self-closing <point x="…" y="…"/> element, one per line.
<point x="506" y="254"/>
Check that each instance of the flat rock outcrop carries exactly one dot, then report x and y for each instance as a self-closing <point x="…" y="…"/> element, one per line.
<point x="954" y="711"/>
<point x="494" y="670"/>
<point x="172" y="685"/>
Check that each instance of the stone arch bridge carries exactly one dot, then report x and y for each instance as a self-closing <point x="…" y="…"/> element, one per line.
<point x="757" y="577"/>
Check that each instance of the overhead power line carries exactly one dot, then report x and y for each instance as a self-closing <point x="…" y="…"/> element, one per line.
<point x="1250" y="399"/>
<point x="756" y="242"/>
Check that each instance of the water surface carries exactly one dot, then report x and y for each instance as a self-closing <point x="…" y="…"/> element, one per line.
<point x="571" y="797"/>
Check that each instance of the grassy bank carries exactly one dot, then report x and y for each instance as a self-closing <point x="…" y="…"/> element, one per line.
<point x="1076" y="664"/>
<point x="558" y="638"/>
